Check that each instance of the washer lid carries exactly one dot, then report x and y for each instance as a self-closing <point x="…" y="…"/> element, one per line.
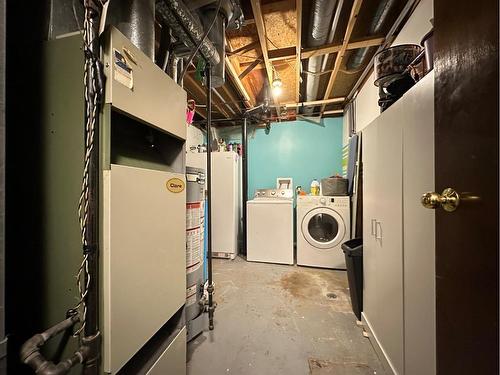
<point x="323" y="228"/>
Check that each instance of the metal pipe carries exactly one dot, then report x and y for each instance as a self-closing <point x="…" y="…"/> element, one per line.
<point x="31" y="355"/>
<point x="210" y="289"/>
<point x="136" y="20"/>
<point x="321" y="16"/>
<point x="333" y="30"/>
<point x="358" y="57"/>
<point x="245" y="181"/>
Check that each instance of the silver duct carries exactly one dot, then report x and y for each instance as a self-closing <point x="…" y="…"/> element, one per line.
<point x="136" y="20"/>
<point x="321" y="18"/>
<point x="178" y="17"/>
<point x="218" y="37"/>
<point x="357" y="59"/>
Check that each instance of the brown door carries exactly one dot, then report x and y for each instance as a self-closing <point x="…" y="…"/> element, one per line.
<point x="466" y="110"/>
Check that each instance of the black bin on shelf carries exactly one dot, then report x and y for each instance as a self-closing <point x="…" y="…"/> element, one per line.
<point x="353" y="252"/>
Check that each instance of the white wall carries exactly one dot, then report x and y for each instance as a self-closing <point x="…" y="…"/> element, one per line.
<point x="416" y="27"/>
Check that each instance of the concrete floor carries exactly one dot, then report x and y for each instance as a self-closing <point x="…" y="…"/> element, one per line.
<point x="273" y="319"/>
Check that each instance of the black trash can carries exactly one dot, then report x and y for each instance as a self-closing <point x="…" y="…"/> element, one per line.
<point x="353" y="252"/>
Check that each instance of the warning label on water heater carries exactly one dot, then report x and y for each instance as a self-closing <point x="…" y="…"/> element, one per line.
<point x="193" y="249"/>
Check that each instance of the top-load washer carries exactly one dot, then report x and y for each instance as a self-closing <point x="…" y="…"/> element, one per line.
<point x="323" y="224"/>
<point x="270" y="226"/>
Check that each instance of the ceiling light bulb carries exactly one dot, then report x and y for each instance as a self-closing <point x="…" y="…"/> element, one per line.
<point x="277" y="87"/>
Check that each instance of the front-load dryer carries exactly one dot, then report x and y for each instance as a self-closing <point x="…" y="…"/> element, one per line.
<point x="323" y="224"/>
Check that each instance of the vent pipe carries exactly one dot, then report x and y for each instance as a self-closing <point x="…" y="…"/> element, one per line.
<point x="358" y="57"/>
<point x="321" y="18"/>
<point x="136" y="20"/>
<point x="186" y="28"/>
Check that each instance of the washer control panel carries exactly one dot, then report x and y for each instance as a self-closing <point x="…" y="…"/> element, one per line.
<point x="274" y="193"/>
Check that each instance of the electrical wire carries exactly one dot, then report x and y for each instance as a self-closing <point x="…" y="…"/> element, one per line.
<point x="202" y="40"/>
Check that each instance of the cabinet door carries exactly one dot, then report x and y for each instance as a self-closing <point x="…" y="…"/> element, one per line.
<point x="369" y="170"/>
<point x="419" y="259"/>
<point x="388" y="326"/>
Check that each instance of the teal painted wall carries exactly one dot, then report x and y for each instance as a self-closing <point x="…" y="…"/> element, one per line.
<point x="298" y="149"/>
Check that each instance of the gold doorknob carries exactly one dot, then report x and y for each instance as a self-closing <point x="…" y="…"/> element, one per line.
<point x="448" y="200"/>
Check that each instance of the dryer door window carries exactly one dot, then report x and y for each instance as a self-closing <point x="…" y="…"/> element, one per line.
<point x="323" y="228"/>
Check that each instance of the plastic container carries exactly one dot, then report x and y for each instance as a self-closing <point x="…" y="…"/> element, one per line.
<point x="315" y="187"/>
<point x="353" y="252"/>
<point x="391" y="63"/>
<point x="334" y="186"/>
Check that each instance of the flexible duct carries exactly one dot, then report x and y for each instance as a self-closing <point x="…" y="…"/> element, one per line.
<point x="218" y="37"/>
<point x="136" y="20"/>
<point x="321" y="18"/>
<point x="357" y="59"/>
<point x="186" y="27"/>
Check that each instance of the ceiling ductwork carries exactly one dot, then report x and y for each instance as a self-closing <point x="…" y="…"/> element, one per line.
<point x="186" y="27"/>
<point x="190" y="21"/>
<point x="358" y="57"/>
<point x="321" y="19"/>
<point x="136" y="20"/>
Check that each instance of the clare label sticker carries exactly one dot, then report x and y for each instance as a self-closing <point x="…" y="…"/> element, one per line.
<point x="175" y="185"/>
<point x="123" y="73"/>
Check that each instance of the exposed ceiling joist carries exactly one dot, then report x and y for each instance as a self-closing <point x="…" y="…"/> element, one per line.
<point x="334" y="48"/>
<point x="298" y="60"/>
<point x="340" y="55"/>
<point x="247" y="101"/>
<point x="314" y="103"/>
<point x="201" y="92"/>
<point x="244" y="49"/>
<point x="282" y="53"/>
<point x="291" y="52"/>
<point x="235" y="101"/>
<point x="261" y="31"/>
<point x="250" y="67"/>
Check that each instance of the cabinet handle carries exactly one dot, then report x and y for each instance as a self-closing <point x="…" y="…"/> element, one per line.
<point x="378" y="225"/>
<point x="374" y="229"/>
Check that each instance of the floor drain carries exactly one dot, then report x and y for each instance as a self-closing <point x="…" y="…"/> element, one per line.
<point x="331" y="295"/>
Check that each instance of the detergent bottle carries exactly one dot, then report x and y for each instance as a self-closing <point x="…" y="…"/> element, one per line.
<point x="315" y="187"/>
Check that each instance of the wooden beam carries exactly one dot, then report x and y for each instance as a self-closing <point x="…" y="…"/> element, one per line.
<point x="231" y="70"/>
<point x="282" y="53"/>
<point x="261" y="31"/>
<point x="229" y="93"/>
<point x="298" y="49"/>
<point x="340" y="55"/>
<point x="273" y="7"/>
<point x="203" y="94"/>
<point x="314" y="103"/>
<point x="250" y="67"/>
<point x="334" y="48"/>
<point x="261" y="65"/>
<point x="291" y="52"/>
<point x="334" y="112"/>
<point x="244" y="49"/>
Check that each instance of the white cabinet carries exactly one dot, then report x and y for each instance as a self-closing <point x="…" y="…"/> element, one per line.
<point x="225" y="204"/>
<point x="382" y="194"/>
<point x="398" y="233"/>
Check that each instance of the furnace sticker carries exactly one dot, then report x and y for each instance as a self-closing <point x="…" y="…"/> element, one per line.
<point x="123" y="72"/>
